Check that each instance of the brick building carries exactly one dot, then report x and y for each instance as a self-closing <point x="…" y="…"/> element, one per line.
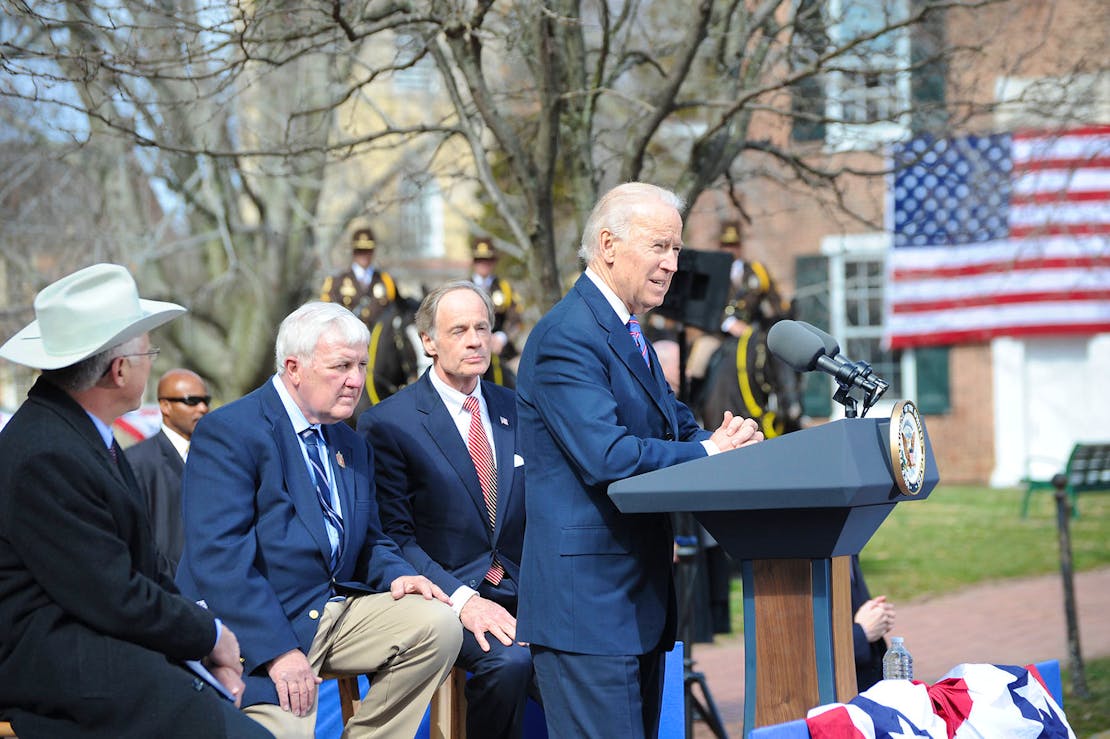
<point x="996" y="409"/>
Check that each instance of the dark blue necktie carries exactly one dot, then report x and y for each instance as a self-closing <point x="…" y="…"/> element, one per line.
<point x="638" y="337"/>
<point x="311" y="440"/>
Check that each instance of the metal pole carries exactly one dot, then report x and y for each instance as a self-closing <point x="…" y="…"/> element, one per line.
<point x="1075" y="655"/>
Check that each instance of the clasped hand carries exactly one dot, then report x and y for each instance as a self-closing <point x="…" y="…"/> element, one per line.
<point x="876" y="618"/>
<point x="735" y="432"/>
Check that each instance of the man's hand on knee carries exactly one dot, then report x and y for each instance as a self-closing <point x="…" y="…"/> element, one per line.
<point x="417" y="585"/>
<point x="295" y="682"/>
<point x="480" y="615"/>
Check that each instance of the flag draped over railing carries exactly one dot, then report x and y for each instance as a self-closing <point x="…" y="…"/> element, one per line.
<point x="970" y="702"/>
<point x="999" y="235"/>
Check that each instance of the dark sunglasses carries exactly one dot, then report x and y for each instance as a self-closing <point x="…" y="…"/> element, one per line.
<point x="191" y="399"/>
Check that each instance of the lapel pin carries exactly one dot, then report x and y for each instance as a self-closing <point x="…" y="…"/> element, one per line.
<point x="339" y="460"/>
<point x="504" y="421"/>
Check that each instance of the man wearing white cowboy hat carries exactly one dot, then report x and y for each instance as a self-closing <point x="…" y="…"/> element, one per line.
<point x="94" y="637"/>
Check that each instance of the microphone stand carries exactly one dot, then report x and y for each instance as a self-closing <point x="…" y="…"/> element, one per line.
<point x="691" y="558"/>
<point x="849" y="392"/>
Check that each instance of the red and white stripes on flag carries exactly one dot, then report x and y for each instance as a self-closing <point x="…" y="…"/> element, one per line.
<point x="1002" y="235"/>
<point x="972" y="701"/>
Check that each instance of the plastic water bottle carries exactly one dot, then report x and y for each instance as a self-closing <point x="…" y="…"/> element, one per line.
<point x="897" y="662"/>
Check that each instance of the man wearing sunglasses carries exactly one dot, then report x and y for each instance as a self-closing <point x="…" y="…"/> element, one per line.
<point x="159" y="461"/>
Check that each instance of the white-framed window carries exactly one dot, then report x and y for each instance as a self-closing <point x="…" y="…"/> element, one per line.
<point x="421" y="217"/>
<point x="868" y="87"/>
<point x="420" y="75"/>
<point x="856" y="284"/>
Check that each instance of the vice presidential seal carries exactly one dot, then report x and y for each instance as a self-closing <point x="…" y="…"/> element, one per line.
<point x="907" y="448"/>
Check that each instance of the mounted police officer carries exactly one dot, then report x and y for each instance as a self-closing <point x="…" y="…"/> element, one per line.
<point x="363" y="289"/>
<point x="753" y="298"/>
<point x="507" y="316"/>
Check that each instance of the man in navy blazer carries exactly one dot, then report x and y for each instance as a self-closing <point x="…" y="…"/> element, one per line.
<point x="597" y="599"/>
<point x="433" y="504"/>
<point x="282" y="539"/>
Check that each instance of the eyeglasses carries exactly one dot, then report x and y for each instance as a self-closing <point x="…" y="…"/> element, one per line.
<point x="191" y="399"/>
<point x="152" y="353"/>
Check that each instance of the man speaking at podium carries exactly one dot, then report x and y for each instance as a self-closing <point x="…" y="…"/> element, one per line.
<point x="597" y="600"/>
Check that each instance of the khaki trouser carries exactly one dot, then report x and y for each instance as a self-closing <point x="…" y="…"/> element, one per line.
<point x="409" y="646"/>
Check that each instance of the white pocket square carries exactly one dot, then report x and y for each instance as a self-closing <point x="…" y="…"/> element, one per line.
<point x="518" y="461"/>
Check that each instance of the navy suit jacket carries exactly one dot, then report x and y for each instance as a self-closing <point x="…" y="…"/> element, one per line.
<point x="256" y="548"/>
<point x="428" y="491"/>
<point x="594" y="580"/>
<point x="868" y="655"/>
<point x="158" y="467"/>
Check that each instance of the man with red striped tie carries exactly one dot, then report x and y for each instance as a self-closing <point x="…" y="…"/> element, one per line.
<point x="450" y="484"/>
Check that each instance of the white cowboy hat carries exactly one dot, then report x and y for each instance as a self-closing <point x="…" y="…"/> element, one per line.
<point x="83" y="314"/>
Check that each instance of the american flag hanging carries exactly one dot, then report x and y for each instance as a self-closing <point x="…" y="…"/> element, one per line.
<point x="1001" y="235"/>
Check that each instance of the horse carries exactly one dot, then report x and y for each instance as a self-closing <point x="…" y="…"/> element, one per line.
<point x="393" y="356"/>
<point x="499" y="372"/>
<point x="745" y="378"/>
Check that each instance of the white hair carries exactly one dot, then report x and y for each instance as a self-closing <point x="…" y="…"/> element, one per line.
<point x="303" y="328"/>
<point x="617" y="209"/>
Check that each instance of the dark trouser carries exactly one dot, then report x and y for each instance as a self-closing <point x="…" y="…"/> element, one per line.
<point x="498" y="688"/>
<point x="194" y="709"/>
<point x="589" y="696"/>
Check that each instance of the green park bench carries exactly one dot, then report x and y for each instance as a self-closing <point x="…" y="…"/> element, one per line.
<point x="1087" y="470"/>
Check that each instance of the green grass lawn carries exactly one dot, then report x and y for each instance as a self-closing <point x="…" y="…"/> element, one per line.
<point x="1091" y="715"/>
<point x="960" y="536"/>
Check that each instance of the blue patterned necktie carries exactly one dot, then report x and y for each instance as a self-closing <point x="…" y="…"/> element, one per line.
<point x="332" y="518"/>
<point x="638" y="337"/>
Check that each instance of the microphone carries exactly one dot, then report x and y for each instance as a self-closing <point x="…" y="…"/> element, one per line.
<point x="800" y="348"/>
<point x="805" y="348"/>
<point x="832" y="348"/>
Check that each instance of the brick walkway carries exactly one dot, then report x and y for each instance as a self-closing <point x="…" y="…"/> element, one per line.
<point x="1009" y="622"/>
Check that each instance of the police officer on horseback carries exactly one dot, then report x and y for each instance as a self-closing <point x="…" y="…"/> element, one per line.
<point x="508" y="321"/>
<point x="363" y="289"/>
<point x="753" y="299"/>
<point x="371" y="294"/>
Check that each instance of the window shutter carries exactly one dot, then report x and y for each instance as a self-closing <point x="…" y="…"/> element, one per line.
<point x="932" y="379"/>
<point x="811" y="304"/>
<point x="808" y="95"/>
<point x="930" y="70"/>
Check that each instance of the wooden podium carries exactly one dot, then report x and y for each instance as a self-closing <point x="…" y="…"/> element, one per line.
<point x="791" y="510"/>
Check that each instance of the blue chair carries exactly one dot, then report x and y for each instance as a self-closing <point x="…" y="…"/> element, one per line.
<point x="672" y="721"/>
<point x="1050" y="672"/>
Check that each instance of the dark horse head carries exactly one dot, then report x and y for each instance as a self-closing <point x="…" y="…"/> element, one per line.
<point x="745" y="378"/>
<point x="392" y="356"/>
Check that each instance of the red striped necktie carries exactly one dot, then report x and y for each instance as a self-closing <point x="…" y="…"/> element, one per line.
<point x="482" y="456"/>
